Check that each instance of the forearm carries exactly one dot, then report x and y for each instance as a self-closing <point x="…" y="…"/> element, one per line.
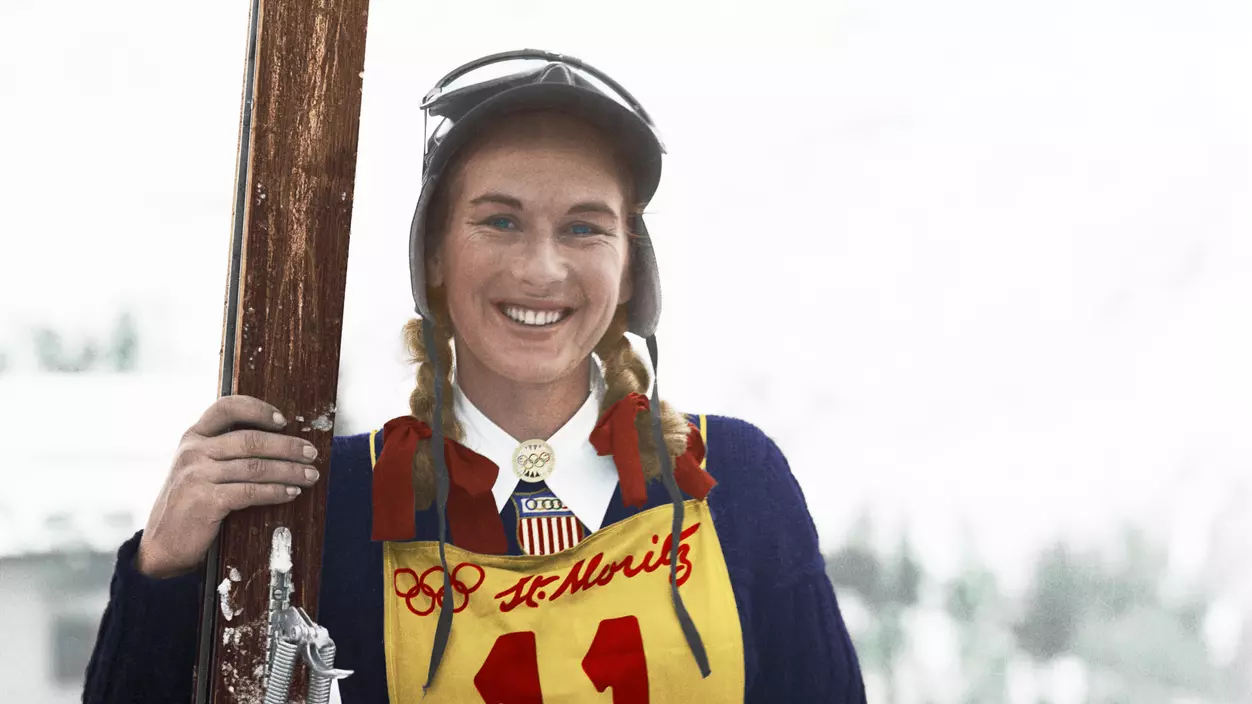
<point x="146" y="646"/>
<point x="803" y="650"/>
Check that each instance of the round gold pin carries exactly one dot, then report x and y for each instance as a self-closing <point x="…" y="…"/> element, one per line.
<point x="533" y="461"/>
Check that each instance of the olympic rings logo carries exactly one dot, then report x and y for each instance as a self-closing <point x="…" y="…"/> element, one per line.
<point x="434" y="597"/>
<point x="546" y="504"/>
<point x="534" y="460"/>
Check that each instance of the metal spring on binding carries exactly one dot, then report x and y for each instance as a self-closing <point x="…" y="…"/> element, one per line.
<point x="319" y="684"/>
<point x="281" y="673"/>
<point x="293" y="636"/>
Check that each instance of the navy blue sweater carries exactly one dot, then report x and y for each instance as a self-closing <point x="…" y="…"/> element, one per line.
<point x="796" y="647"/>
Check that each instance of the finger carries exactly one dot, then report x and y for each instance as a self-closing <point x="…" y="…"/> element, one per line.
<point x="247" y="444"/>
<point x="232" y="411"/>
<point x="236" y="497"/>
<point x="259" y="471"/>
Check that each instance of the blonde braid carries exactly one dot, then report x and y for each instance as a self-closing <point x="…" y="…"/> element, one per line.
<point x="422" y="400"/>
<point x="625" y="373"/>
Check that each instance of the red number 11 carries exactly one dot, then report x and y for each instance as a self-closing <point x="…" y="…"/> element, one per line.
<point x="510" y="674"/>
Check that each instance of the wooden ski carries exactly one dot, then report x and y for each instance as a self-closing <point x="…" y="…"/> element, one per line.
<point x="284" y="308"/>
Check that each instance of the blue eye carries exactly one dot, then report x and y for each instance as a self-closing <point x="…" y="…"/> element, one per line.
<point x="583" y="229"/>
<point x="501" y="223"/>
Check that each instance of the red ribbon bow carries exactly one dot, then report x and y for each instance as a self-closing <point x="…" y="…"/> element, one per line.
<point x="617" y="435"/>
<point x="472" y="516"/>
<point x="691" y="479"/>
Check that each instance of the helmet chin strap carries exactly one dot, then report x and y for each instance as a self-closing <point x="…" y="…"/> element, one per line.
<point x="692" y="635"/>
<point x="444" y="627"/>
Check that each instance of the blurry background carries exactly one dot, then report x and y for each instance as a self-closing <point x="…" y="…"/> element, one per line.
<point x="983" y="269"/>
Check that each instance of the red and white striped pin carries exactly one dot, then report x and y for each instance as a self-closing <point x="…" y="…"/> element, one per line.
<point x="545" y="525"/>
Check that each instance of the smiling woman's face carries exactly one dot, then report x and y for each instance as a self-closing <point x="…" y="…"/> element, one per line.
<point x="533" y="256"/>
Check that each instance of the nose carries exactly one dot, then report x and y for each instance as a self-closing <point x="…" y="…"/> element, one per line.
<point x="540" y="264"/>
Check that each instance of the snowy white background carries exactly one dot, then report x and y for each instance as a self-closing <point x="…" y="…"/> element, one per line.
<point x="985" y="267"/>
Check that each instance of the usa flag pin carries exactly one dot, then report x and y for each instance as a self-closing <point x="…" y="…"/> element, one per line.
<point x="545" y="525"/>
<point x="534" y="461"/>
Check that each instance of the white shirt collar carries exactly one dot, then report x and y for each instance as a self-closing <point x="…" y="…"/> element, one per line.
<point x="583" y="480"/>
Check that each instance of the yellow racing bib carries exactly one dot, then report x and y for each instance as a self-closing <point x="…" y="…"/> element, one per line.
<point x="591" y="624"/>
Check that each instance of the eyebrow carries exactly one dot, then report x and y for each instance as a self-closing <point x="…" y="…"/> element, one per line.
<point x="593" y="206"/>
<point x="499" y="199"/>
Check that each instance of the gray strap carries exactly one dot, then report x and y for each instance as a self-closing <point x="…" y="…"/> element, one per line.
<point x="444" y="628"/>
<point x="671" y="485"/>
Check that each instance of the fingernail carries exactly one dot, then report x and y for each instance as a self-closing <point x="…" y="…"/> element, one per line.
<point x="278" y="419"/>
<point x="293" y="491"/>
<point x="310" y="452"/>
<point x="312" y="474"/>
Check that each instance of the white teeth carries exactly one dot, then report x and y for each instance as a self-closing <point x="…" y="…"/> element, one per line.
<point x="533" y="317"/>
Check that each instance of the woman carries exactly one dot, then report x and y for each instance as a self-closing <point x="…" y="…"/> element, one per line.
<point x="526" y="481"/>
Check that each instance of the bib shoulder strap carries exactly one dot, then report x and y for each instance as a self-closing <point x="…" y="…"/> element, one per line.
<point x="701" y="422"/>
<point x="704" y="435"/>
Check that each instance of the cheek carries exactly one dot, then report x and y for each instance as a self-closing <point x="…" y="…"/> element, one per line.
<point x="626" y="287"/>
<point x="617" y="275"/>
<point x="612" y="278"/>
<point x="464" y="270"/>
<point x="464" y="266"/>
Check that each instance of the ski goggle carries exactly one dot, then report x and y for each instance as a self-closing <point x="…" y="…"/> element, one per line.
<point x="473" y="83"/>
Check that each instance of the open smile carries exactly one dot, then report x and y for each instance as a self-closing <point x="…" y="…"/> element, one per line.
<point x="534" y="317"/>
